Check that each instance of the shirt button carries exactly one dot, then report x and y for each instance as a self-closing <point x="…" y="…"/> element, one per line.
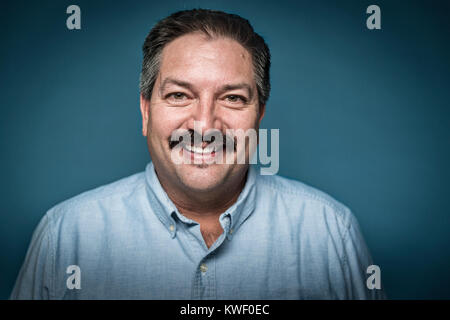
<point x="203" y="267"/>
<point x="171" y="228"/>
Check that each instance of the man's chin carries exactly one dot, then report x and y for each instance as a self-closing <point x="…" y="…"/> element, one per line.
<point x="202" y="177"/>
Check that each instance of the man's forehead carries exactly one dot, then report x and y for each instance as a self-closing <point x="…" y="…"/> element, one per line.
<point x="193" y="49"/>
<point x="196" y="57"/>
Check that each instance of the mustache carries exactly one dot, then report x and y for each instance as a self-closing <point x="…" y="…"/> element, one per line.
<point x="191" y="136"/>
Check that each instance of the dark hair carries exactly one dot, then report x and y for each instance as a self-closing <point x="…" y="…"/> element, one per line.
<point x="212" y="24"/>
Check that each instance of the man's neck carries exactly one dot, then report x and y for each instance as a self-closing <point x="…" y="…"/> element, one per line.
<point x="206" y="207"/>
<point x="205" y="204"/>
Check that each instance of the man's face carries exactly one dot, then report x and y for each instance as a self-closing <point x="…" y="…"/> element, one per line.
<point x="209" y="82"/>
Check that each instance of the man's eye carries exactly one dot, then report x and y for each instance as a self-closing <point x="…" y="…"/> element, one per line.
<point x="235" y="98"/>
<point x="177" y="95"/>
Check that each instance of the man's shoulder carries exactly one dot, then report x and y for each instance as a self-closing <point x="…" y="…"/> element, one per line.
<point x="306" y="200"/>
<point x="109" y="196"/>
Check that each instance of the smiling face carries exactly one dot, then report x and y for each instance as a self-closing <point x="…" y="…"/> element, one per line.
<point x="206" y="84"/>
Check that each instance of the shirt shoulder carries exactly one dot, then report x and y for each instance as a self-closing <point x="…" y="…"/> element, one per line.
<point x="329" y="234"/>
<point x="110" y="197"/>
<point x="306" y="202"/>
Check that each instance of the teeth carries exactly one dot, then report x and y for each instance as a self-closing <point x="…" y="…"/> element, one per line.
<point x="200" y="150"/>
<point x="209" y="149"/>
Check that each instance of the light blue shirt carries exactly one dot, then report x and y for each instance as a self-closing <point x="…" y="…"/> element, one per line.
<point x="282" y="240"/>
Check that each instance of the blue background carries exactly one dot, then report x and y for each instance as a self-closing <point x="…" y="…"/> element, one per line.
<point x="363" y="115"/>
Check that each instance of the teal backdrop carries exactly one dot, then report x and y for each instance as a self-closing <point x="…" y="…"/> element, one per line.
<point x="363" y="115"/>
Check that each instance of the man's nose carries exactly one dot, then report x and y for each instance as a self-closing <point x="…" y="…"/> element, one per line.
<point x="205" y="116"/>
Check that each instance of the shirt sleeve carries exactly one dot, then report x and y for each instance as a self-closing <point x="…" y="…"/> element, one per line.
<point x="34" y="279"/>
<point x="358" y="259"/>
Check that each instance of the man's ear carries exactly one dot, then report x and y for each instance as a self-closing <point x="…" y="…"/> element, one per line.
<point x="145" y="108"/>
<point x="262" y="111"/>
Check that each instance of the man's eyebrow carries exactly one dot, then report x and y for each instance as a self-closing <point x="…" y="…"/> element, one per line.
<point x="176" y="82"/>
<point x="246" y="86"/>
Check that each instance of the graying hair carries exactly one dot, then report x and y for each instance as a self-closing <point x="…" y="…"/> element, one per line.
<point x="212" y="24"/>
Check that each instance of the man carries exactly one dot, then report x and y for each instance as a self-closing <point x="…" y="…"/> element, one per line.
<point x="203" y="227"/>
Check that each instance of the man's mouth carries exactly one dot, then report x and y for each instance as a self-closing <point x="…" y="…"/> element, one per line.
<point x="198" y="150"/>
<point x="208" y="145"/>
<point x="201" y="154"/>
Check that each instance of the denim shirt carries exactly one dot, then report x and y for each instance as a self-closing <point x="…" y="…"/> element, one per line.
<point x="281" y="240"/>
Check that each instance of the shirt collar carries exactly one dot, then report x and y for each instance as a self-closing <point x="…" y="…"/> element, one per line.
<point x="230" y="220"/>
